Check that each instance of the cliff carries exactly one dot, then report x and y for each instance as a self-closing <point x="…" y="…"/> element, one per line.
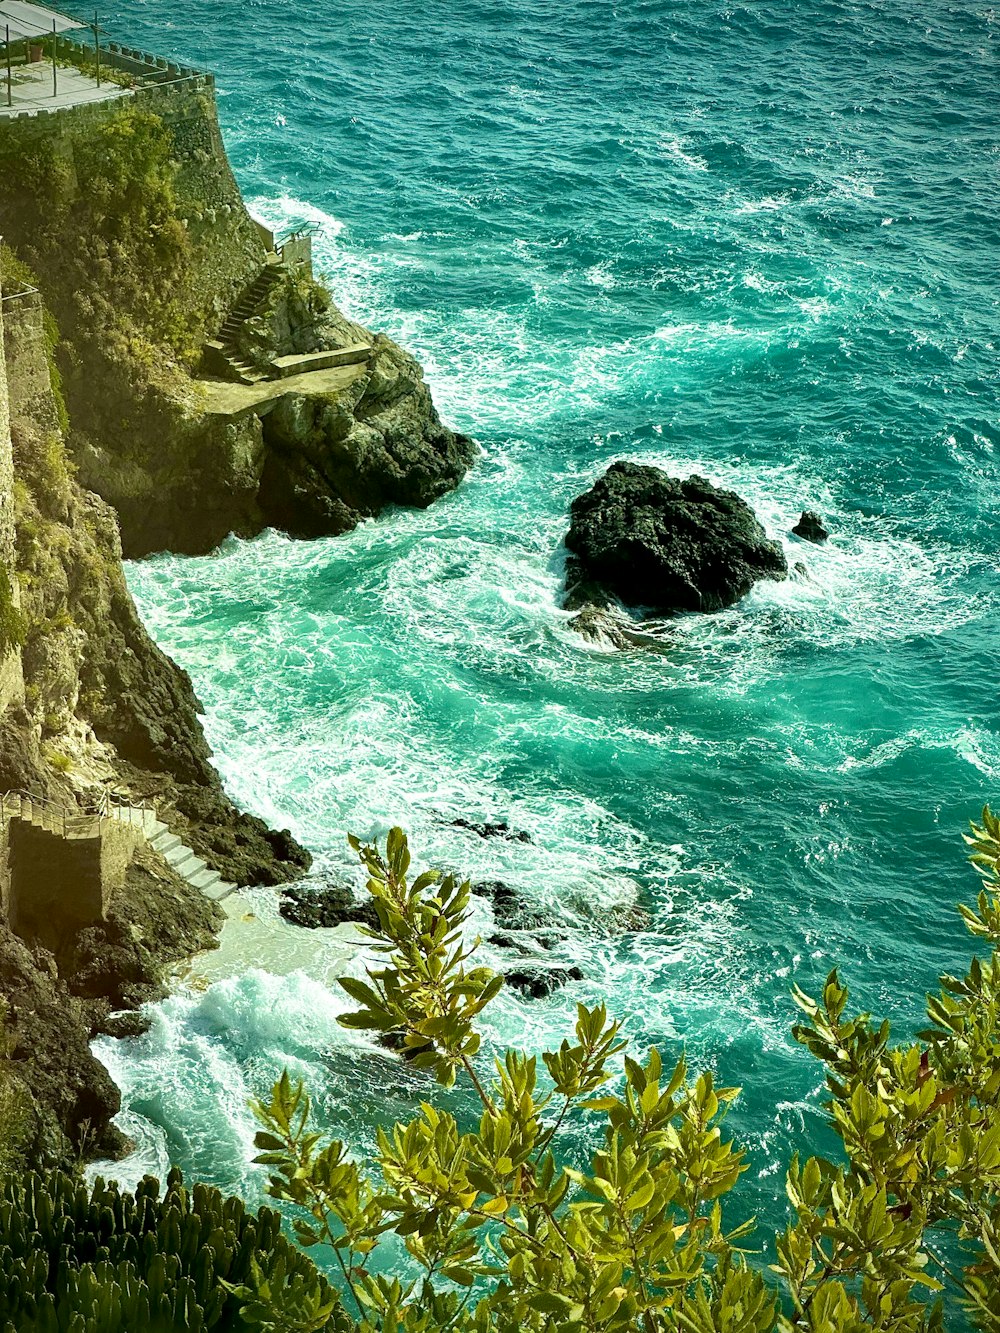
<point x="127" y="249"/>
<point x="89" y="702"/>
<point x="129" y="215"/>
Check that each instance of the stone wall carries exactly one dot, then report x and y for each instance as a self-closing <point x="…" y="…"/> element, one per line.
<point x="56" y="885"/>
<point x="11" y="671"/>
<point x="6" y="456"/>
<point x="26" y="355"/>
<point x="228" y="246"/>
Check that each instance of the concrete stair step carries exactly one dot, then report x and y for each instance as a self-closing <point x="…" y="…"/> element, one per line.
<point x="204" y="879"/>
<point x="165" y="842"/>
<point x="219" y="891"/>
<point x="191" y="865"/>
<point x="176" y="853"/>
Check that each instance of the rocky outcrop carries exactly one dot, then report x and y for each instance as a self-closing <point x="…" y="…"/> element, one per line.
<point x="325" y="908"/>
<point x="491" y="828"/>
<point x="58" y="1001"/>
<point x="538" y="982"/>
<point x="96" y="704"/>
<point x="100" y="699"/>
<point x="140" y="275"/>
<point x="810" y="527"/>
<point x="665" y="545"/>
<point x="330" y="461"/>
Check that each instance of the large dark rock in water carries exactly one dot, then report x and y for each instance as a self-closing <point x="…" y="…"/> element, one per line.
<point x="538" y="982"/>
<point x="669" y="545"/>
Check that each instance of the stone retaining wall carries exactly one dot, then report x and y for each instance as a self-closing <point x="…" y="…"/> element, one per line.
<point x="51" y="886"/>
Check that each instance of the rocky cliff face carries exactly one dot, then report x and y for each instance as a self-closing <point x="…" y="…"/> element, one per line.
<point x="130" y="217"/>
<point x="102" y="701"/>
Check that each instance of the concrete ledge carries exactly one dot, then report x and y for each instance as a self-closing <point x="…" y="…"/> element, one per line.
<point x="286" y="366"/>
<point x="228" y="399"/>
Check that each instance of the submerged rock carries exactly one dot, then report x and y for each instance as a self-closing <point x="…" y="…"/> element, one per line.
<point x="498" y="829"/>
<point x="130" y="1023"/>
<point x="670" y="545"/>
<point x="608" y="627"/>
<point x="511" y="908"/>
<point x="810" y="527"/>
<point x="324" y="908"/>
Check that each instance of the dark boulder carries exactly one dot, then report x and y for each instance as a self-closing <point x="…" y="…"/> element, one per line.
<point x="511" y="909"/>
<point x="810" y="527"/>
<point x="537" y="982"/>
<point x="327" y="907"/>
<point x="128" y="1023"/>
<point x="670" y="545"/>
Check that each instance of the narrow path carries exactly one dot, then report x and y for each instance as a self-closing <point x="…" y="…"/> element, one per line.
<point x="228" y="399"/>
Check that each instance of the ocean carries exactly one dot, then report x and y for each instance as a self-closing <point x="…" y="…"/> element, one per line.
<point x="756" y="241"/>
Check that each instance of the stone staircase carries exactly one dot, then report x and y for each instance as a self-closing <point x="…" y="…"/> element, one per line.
<point x="225" y="347"/>
<point x="222" y="354"/>
<point x="181" y="859"/>
<point x="71" y="822"/>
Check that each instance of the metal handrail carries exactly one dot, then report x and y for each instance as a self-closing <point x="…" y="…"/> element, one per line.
<point x="73" y="816"/>
<point x="297" y="233"/>
<point x="16" y="296"/>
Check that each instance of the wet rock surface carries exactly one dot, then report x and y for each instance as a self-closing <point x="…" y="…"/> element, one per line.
<point x="496" y="829"/>
<point x="538" y="982"/>
<point x="810" y="527"/>
<point x="317" y="908"/>
<point x="664" y="544"/>
<point x="512" y="910"/>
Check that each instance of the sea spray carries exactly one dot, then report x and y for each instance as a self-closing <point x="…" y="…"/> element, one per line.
<point x="713" y="239"/>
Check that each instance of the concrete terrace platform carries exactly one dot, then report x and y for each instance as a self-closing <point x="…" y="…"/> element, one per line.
<point x="32" y="89"/>
<point x="226" y="399"/>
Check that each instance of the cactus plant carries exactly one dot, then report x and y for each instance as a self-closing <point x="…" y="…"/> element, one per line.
<point x="106" y="1260"/>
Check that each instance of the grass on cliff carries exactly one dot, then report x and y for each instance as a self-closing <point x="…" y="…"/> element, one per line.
<point x="93" y="213"/>
<point x="14" y="1106"/>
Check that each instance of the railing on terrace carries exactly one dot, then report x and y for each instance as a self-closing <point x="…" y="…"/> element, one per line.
<point x="143" y="69"/>
<point x="300" y="233"/>
<point x="58" y="817"/>
<point x="111" y="65"/>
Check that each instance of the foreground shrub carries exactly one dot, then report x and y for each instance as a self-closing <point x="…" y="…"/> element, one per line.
<point x="506" y="1235"/>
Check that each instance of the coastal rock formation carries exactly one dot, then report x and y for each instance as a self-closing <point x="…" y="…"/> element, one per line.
<point x="88" y="701"/>
<point x="499" y="828"/>
<point x="810" y="527"/>
<point x="325" y="908"/>
<point x="537" y="982"/>
<point x="330" y="461"/>
<point x="666" y="545"/>
<point x="141" y="245"/>
<point x="58" y="1001"/>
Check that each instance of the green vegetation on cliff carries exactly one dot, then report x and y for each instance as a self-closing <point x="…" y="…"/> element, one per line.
<point x="100" y="225"/>
<point x="14" y="1105"/>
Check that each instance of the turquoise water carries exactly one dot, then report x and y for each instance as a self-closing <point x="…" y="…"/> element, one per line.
<point x="753" y="240"/>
